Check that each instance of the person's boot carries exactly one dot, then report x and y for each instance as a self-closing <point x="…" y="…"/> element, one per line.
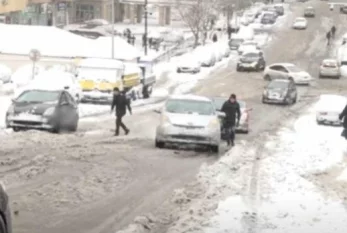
<point x="232" y="143"/>
<point x="127" y="131"/>
<point x="116" y="133"/>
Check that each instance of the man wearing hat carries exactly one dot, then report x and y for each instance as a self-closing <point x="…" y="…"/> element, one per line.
<point x="232" y="111"/>
<point x="121" y="103"/>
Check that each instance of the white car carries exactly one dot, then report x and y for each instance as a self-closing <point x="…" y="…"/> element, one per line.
<point x="189" y="119"/>
<point x="329" y="108"/>
<point x="247" y="46"/>
<point x="287" y="71"/>
<point x="188" y="64"/>
<point x="57" y="79"/>
<point x="23" y="75"/>
<point x="5" y="73"/>
<point x="206" y="56"/>
<point x="329" y="68"/>
<point x="300" y="23"/>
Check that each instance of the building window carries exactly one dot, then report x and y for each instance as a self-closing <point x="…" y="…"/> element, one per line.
<point x="84" y="12"/>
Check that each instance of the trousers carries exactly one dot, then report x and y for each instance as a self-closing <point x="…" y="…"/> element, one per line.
<point x="230" y="134"/>
<point x="120" y="124"/>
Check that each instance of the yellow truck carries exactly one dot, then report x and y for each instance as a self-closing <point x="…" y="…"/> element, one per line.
<point x="98" y="77"/>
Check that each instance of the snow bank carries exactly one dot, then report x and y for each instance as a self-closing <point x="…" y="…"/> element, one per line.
<point x="282" y="198"/>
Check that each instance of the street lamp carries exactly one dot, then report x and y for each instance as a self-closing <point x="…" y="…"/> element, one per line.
<point x="146" y="26"/>
<point x="112" y="30"/>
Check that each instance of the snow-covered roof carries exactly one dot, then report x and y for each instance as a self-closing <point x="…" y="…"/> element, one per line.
<point x="101" y="63"/>
<point x="190" y="97"/>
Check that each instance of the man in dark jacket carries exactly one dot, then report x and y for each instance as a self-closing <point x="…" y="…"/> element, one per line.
<point x="232" y="111"/>
<point x="343" y="116"/>
<point x="121" y="103"/>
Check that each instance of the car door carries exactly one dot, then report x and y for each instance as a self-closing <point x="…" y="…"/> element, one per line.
<point x="283" y="72"/>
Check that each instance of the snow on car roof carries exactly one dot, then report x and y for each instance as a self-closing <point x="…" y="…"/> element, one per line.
<point x="190" y="97"/>
<point x="300" y="19"/>
<point x="282" y="64"/>
<point x="331" y="102"/>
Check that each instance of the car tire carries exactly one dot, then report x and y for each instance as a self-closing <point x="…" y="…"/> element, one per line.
<point x="178" y="70"/>
<point x="74" y="127"/>
<point x="159" y="144"/>
<point x="267" y="77"/>
<point x="214" y="148"/>
<point x="16" y="129"/>
<point x="238" y="68"/>
<point x="338" y="77"/>
<point x="319" y="122"/>
<point x="320" y="76"/>
<point x="263" y="101"/>
<point x="2" y="225"/>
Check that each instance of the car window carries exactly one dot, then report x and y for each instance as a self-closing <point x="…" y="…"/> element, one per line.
<point x="293" y="69"/>
<point x="182" y="106"/>
<point x="276" y="67"/>
<point x="330" y="64"/>
<point x="38" y="96"/>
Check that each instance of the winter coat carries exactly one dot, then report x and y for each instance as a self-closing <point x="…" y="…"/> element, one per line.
<point x="343" y="116"/>
<point x="121" y="102"/>
<point x="232" y="112"/>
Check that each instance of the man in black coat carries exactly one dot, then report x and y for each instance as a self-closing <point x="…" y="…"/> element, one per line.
<point x="121" y="103"/>
<point x="343" y="116"/>
<point x="232" y="111"/>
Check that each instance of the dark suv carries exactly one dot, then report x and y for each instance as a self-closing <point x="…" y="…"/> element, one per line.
<point x="280" y="91"/>
<point x="251" y="60"/>
<point x="5" y="213"/>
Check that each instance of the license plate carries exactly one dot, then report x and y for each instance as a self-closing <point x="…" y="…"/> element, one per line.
<point x="28" y="117"/>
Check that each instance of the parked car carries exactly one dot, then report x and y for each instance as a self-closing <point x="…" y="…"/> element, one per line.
<point x="274" y="11"/>
<point x="328" y="109"/>
<point x="300" y="23"/>
<point x="280" y="91"/>
<point x="251" y="60"/>
<point x="5" y="73"/>
<point x="287" y="71"/>
<point x="245" y="115"/>
<point x="248" y="45"/>
<point x="25" y="74"/>
<point x="53" y="110"/>
<point x="234" y="43"/>
<point x="189" y="119"/>
<point x="58" y="79"/>
<point x="206" y="56"/>
<point x="268" y="18"/>
<point x="343" y="9"/>
<point x="329" y="68"/>
<point x="188" y="64"/>
<point x="309" y="12"/>
<point x="5" y="211"/>
<point x="279" y="9"/>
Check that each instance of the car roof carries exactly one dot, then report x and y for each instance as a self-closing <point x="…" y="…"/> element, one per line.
<point x="330" y="60"/>
<point x="282" y="64"/>
<point x="190" y="97"/>
<point x="300" y="18"/>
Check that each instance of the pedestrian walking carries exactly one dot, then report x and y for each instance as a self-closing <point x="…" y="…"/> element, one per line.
<point x="232" y="111"/>
<point x="229" y="31"/>
<point x="333" y="31"/>
<point x="120" y="103"/>
<point x="144" y="40"/>
<point x="343" y="117"/>
<point x="328" y="37"/>
<point x="214" y="38"/>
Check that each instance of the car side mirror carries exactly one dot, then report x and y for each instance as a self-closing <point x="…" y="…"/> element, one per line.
<point x="221" y="114"/>
<point x="157" y="111"/>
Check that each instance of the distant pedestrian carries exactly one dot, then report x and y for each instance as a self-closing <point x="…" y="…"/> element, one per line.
<point x="229" y="31"/>
<point x="214" y="38"/>
<point x="328" y="37"/>
<point x="144" y="40"/>
<point x="333" y="31"/>
<point x="121" y="102"/>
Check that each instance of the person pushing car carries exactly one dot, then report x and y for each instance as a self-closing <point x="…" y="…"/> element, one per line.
<point x="121" y="103"/>
<point x="232" y="111"/>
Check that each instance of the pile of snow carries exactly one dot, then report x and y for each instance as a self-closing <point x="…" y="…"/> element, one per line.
<point x="283" y="199"/>
<point x="23" y="75"/>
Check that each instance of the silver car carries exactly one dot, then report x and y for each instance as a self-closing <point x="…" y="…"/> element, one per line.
<point x="189" y="119"/>
<point x="329" y="68"/>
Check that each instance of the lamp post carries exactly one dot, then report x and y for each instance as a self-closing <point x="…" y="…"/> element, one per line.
<point x="146" y="26"/>
<point x="112" y="30"/>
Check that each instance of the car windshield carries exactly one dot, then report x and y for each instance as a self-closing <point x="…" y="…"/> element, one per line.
<point x="183" y="106"/>
<point x="38" y="96"/>
<point x="277" y="84"/>
<point x="330" y="64"/>
<point x="293" y="69"/>
<point x="251" y="55"/>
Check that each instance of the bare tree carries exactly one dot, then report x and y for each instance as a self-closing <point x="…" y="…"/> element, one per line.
<point x="197" y="14"/>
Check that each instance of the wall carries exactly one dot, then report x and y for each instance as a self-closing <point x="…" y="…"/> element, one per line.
<point x="13" y="5"/>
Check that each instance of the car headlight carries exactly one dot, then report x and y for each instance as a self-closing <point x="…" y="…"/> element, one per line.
<point x="213" y="123"/>
<point x="165" y="119"/>
<point x="265" y="92"/>
<point x="49" y="111"/>
<point x="10" y="110"/>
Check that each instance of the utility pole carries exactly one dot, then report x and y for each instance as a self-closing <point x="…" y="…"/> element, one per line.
<point x="146" y="26"/>
<point x="112" y="30"/>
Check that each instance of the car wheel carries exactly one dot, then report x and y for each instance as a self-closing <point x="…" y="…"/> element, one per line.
<point x="291" y="79"/>
<point x="319" y="122"/>
<point x="178" y="70"/>
<point x="74" y="127"/>
<point x="159" y="144"/>
<point x="238" y="68"/>
<point x="267" y="77"/>
<point x="263" y="101"/>
<point x="56" y="128"/>
<point x="320" y="76"/>
<point x="16" y="129"/>
<point x="214" y="148"/>
<point x="337" y="77"/>
<point x="2" y="226"/>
